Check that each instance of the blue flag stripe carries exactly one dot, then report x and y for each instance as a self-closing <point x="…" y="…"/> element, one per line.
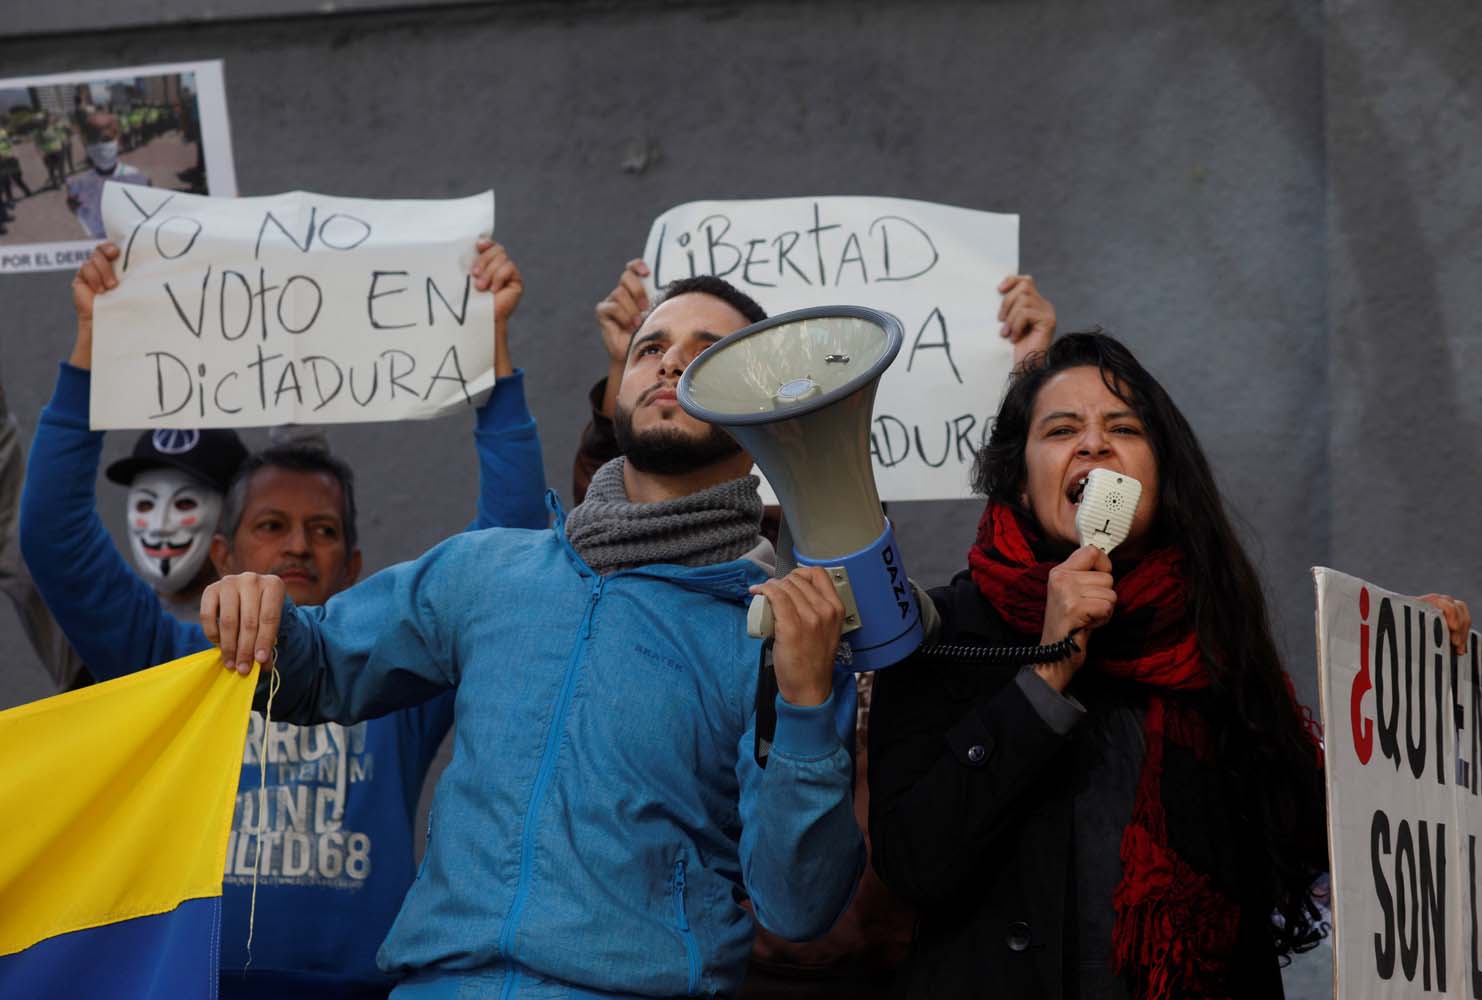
<point x="171" y="954"/>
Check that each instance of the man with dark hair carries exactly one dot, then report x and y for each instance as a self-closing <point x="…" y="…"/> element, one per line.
<point x="858" y="956"/>
<point x="669" y="450"/>
<point x="618" y="315"/>
<point x="604" y="812"/>
<point x="265" y="497"/>
<point x="298" y="457"/>
<point x="334" y="848"/>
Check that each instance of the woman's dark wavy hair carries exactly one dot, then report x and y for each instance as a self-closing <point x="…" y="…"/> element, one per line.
<point x="1264" y="748"/>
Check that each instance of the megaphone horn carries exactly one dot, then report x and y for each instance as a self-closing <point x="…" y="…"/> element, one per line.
<point x="798" y="392"/>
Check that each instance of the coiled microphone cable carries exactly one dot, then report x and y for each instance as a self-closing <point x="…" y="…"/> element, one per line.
<point x="963" y="652"/>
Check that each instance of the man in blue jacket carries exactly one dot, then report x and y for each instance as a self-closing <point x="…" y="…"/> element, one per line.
<point x="335" y="851"/>
<point x="604" y="814"/>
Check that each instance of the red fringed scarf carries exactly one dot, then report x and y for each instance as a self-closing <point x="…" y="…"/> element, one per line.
<point x="1174" y="933"/>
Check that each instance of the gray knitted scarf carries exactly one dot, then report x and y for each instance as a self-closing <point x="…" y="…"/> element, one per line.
<point x="715" y="525"/>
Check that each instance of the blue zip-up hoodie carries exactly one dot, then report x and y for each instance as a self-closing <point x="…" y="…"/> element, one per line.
<point x="338" y="848"/>
<point x="603" y="814"/>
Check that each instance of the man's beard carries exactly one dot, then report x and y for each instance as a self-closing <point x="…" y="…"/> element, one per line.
<point x="668" y="451"/>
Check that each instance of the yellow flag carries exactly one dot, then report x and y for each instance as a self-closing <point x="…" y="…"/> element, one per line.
<point x="116" y="801"/>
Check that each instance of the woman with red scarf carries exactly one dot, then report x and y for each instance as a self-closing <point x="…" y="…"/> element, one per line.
<point x="1143" y="820"/>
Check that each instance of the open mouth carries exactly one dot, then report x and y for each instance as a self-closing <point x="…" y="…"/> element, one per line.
<point x="1077" y="490"/>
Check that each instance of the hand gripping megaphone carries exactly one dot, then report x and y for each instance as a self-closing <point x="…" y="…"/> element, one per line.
<point x="797" y="391"/>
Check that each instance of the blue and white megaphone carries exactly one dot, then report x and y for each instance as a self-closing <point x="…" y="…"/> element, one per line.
<point x="798" y="392"/>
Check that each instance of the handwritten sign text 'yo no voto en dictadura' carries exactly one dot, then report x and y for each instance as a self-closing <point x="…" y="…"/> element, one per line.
<point x="295" y="308"/>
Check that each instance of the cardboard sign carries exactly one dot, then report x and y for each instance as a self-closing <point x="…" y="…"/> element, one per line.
<point x="934" y="267"/>
<point x="1402" y="714"/>
<point x="296" y="308"/>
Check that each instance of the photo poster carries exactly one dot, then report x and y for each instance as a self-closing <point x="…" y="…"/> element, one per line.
<point x="169" y="130"/>
<point x="296" y="308"/>
<point x="1402" y="717"/>
<point x="935" y="267"/>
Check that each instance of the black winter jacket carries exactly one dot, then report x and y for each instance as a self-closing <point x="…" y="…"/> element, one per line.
<point x="973" y="806"/>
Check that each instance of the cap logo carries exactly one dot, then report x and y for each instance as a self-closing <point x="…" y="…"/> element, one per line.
<point x="175" y="442"/>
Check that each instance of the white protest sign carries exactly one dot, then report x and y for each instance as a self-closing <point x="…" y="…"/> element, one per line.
<point x="1402" y="714"/>
<point x="295" y="308"/>
<point x="935" y="267"/>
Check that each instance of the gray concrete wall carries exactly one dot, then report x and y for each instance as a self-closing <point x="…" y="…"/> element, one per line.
<point x="1168" y="165"/>
<point x="1404" y="260"/>
<point x="111" y="15"/>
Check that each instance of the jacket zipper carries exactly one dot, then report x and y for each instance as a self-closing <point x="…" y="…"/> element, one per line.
<point x="691" y="949"/>
<point x="542" y="782"/>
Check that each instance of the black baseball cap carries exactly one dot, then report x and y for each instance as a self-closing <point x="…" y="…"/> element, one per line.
<point x="213" y="456"/>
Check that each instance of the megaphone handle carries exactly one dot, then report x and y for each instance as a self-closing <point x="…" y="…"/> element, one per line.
<point x="760" y="624"/>
<point x="759" y="621"/>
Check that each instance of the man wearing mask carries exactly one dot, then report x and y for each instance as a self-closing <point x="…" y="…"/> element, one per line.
<point x="604" y="812"/>
<point x="334" y="847"/>
<point x="176" y="480"/>
<point x="85" y="191"/>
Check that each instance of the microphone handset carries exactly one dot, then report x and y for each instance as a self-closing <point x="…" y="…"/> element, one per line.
<point x="1103" y="518"/>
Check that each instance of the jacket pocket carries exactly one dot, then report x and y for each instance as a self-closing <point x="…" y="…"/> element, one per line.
<point x="681" y="918"/>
